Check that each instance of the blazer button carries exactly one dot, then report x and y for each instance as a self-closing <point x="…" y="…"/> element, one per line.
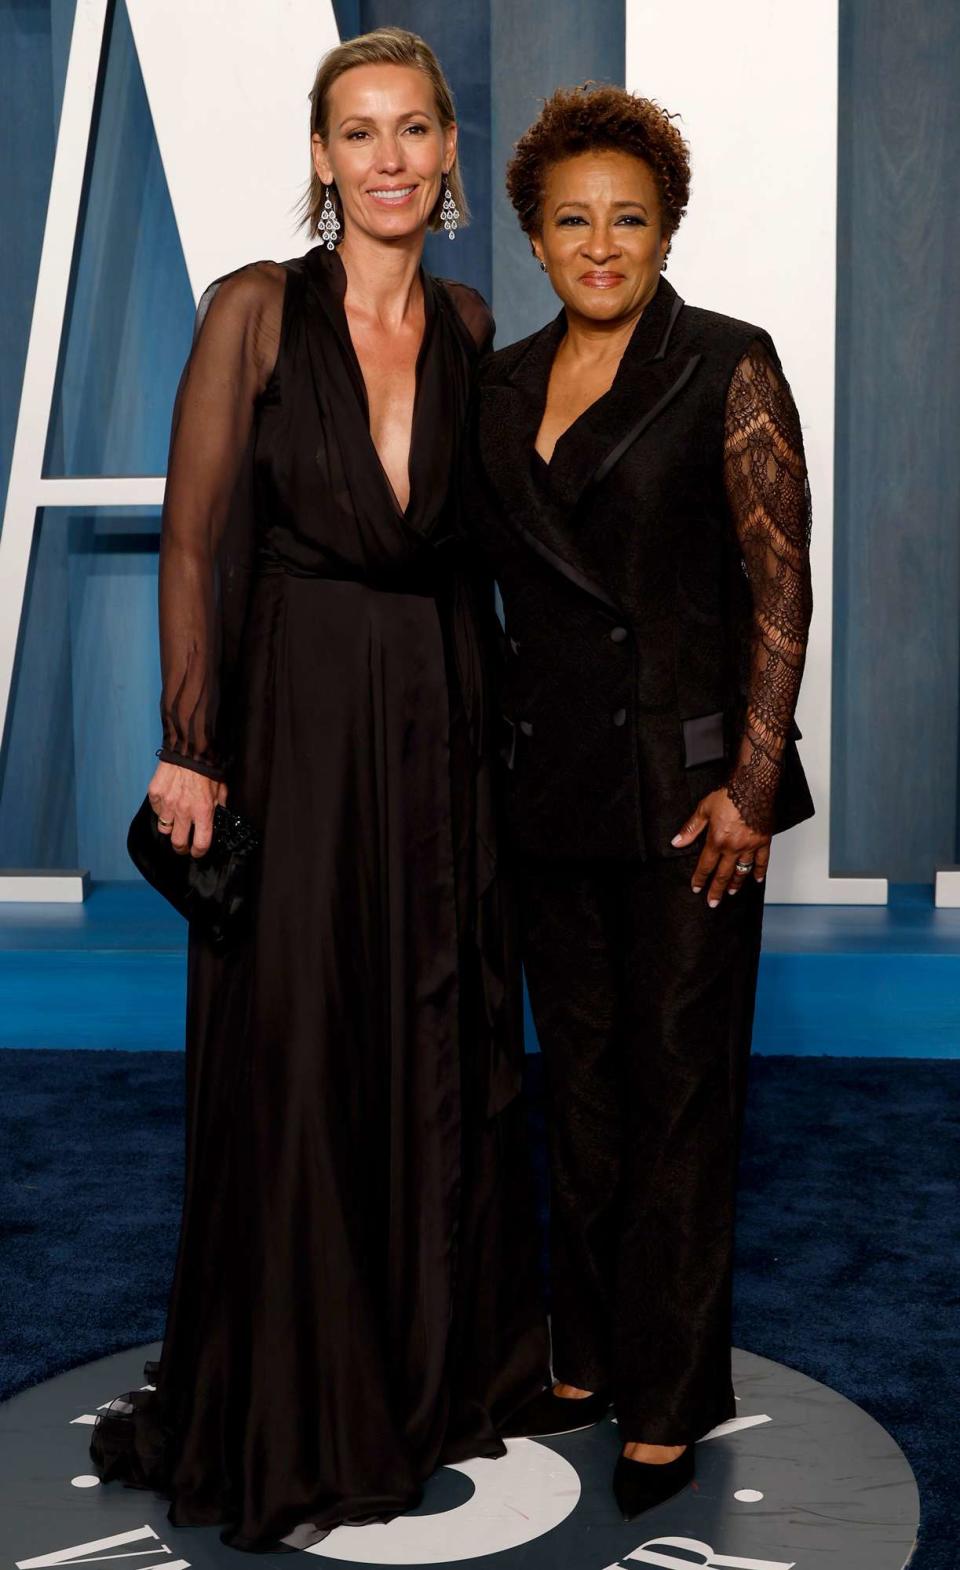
<point x="526" y="727"/>
<point x="620" y="718"/>
<point x="618" y="634"/>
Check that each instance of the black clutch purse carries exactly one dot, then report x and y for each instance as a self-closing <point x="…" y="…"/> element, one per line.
<point x="216" y="891"/>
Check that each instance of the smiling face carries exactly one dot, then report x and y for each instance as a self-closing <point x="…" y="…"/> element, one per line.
<point x="602" y="239"/>
<point x="385" y="149"/>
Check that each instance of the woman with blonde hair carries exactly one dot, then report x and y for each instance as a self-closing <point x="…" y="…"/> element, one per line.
<point x="354" y="1300"/>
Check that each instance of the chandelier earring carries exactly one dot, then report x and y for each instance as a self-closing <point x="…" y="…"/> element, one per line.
<point x="329" y="226"/>
<point x="449" y="212"/>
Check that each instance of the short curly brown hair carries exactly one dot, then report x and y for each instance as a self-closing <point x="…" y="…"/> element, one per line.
<point x="592" y="118"/>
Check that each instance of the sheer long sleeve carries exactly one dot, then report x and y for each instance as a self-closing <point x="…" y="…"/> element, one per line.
<point x="766" y="483"/>
<point x="203" y="560"/>
<point x="475" y="314"/>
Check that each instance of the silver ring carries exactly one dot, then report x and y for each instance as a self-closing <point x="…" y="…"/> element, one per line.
<point x="165" y="823"/>
<point x="744" y="866"/>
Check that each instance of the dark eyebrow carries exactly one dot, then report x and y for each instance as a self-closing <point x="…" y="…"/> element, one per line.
<point x="615" y="204"/>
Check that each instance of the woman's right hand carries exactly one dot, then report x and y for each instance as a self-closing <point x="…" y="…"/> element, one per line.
<point x="183" y="801"/>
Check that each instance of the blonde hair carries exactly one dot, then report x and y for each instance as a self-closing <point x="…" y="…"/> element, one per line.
<point x="384" y="46"/>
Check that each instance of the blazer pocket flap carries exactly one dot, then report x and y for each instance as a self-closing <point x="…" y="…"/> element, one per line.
<point x="703" y="739"/>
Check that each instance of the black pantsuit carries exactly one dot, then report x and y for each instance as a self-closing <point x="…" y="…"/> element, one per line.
<point x="643" y="1000"/>
<point x="656" y="591"/>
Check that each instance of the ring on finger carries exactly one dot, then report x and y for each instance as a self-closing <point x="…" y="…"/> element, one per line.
<point x="165" y="823"/>
<point x="744" y="866"/>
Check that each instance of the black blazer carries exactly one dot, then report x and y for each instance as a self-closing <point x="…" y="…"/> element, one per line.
<point x="628" y="611"/>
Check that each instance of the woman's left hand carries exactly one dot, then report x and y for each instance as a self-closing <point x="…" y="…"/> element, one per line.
<point x="730" y="845"/>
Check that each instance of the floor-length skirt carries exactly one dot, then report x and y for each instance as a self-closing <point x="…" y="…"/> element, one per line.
<point x="354" y="1298"/>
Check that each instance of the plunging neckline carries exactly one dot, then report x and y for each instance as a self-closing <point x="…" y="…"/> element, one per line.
<point x="429" y="313"/>
<point x="344" y="407"/>
<point x="596" y="403"/>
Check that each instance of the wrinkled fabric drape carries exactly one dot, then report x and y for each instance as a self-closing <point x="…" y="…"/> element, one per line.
<point x="355" y="1298"/>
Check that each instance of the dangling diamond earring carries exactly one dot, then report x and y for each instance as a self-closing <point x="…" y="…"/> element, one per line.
<point x="449" y="212"/>
<point x="329" y="226"/>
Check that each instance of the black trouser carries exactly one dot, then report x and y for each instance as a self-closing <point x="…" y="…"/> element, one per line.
<point x="643" y="1001"/>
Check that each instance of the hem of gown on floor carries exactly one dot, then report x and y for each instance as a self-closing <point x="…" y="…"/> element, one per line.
<point x="355" y="1137"/>
<point x="131" y="1444"/>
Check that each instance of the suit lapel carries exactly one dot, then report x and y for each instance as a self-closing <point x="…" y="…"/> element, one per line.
<point x="540" y="509"/>
<point x="647" y="381"/>
<point x="509" y="416"/>
<point x="672" y="386"/>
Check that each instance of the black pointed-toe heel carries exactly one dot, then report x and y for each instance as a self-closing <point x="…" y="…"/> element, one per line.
<point x="547" y="1414"/>
<point x="639" y="1485"/>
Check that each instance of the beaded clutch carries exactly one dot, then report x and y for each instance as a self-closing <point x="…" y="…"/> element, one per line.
<point x="215" y="892"/>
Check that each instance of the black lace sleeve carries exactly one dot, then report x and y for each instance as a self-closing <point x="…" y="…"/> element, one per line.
<point x="766" y="483"/>
<point x="234" y="351"/>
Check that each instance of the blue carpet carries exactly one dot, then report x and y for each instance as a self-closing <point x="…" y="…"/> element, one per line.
<point x="848" y="1265"/>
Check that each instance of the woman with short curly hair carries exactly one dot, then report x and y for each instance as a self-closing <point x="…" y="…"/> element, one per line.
<point x="640" y="491"/>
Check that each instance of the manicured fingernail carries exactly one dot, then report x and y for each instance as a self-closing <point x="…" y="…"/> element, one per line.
<point x="761" y="877"/>
<point x="733" y="891"/>
<point x="675" y="840"/>
<point x="713" y="903"/>
<point x="697" y="888"/>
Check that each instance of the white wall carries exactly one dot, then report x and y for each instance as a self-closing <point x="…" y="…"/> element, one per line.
<point x="756" y="88"/>
<point x="228" y="84"/>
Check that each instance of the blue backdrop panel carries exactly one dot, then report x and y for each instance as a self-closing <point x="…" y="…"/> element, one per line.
<point x="38" y="826"/>
<point x="460" y="36"/>
<point x="533" y="51"/>
<point x="29" y="97"/>
<point x="84" y="721"/>
<point x="897" y="605"/>
<point x="131" y="310"/>
<point x="113" y="615"/>
<point x="37" y="823"/>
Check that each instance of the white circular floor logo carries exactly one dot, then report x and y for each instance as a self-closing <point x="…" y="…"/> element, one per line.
<point x="515" y="1499"/>
<point x="801" y="1479"/>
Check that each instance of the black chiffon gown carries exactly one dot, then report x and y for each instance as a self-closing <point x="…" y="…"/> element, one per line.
<point x="355" y="1299"/>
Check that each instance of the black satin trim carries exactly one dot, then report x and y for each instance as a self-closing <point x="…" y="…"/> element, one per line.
<point x="561" y="565"/>
<point x="637" y="430"/>
<point x="703" y="739"/>
<point x="677" y="307"/>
